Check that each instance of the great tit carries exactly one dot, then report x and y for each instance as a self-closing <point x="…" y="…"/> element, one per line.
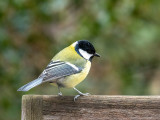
<point x="68" y="68"/>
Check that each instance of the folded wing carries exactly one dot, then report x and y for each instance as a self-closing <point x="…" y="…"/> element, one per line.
<point x="59" y="69"/>
<point x="54" y="70"/>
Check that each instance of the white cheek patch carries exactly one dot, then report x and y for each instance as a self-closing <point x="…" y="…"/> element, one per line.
<point x="85" y="54"/>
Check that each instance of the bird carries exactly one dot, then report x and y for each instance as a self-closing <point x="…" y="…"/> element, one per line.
<point x="67" y="68"/>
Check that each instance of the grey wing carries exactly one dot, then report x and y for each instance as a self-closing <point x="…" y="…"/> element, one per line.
<point x="59" y="69"/>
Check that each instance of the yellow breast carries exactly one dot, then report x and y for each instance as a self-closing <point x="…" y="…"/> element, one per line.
<point x="73" y="80"/>
<point x="70" y="55"/>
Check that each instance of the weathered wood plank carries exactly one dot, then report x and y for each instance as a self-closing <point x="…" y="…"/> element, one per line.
<point x="44" y="107"/>
<point x="32" y="107"/>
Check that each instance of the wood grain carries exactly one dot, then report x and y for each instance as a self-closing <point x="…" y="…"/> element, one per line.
<point x="97" y="107"/>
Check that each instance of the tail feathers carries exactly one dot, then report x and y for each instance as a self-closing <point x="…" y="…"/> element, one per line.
<point x="31" y="85"/>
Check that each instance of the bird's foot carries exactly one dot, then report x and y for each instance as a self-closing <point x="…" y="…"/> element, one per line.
<point x="81" y="94"/>
<point x="59" y="94"/>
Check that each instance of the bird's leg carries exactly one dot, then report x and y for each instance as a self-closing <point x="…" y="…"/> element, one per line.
<point x="80" y="94"/>
<point x="59" y="92"/>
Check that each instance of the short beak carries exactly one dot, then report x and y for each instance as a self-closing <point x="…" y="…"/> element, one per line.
<point x="97" y="55"/>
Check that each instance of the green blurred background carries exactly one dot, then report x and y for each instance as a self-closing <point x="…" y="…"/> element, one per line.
<point x="125" y="32"/>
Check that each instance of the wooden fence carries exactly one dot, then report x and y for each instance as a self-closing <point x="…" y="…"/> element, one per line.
<point x="94" y="107"/>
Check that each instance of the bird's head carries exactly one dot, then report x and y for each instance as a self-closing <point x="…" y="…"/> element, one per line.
<point x="85" y="49"/>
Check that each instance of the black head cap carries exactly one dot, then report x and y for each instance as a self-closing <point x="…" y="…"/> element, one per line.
<point x="86" y="46"/>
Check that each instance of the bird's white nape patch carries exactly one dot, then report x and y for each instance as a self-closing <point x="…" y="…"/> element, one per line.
<point x="74" y="44"/>
<point x="85" y="54"/>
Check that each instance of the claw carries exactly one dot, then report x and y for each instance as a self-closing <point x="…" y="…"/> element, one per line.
<point x="85" y="94"/>
<point x="75" y="98"/>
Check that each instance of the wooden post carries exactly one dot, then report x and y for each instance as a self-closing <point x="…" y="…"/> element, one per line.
<point x="97" y="107"/>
